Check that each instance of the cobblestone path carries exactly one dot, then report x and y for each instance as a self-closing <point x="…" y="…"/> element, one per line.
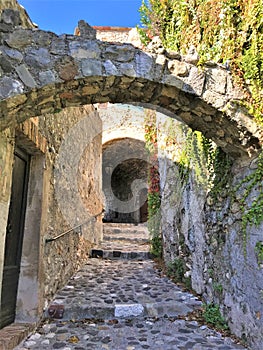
<point x="124" y="304"/>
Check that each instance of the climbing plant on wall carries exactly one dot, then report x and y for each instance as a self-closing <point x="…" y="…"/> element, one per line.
<point x="251" y="201"/>
<point x="154" y="200"/>
<point x="229" y="32"/>
<point x="225" y="31"/>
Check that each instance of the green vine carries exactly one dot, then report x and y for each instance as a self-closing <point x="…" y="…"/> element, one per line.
<point x="221" y="172"/>
<point x="252" y="214"/>
<point x="209" y="164"/>
<point x="259" y="252"/>
<point x="211" y="168"/>
<point x="154" y="200"/>
<point x="225" y="31"/>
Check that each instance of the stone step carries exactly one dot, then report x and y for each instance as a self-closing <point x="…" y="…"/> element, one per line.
<point x="123" y="241"/>
<point x="119" y="254"/>
<point x="125" y="310"/>
<point x="127" y="225"/>
<point x="124" y="229"/>
<point x="106" y="289"/>
<point x="134" y="238"/>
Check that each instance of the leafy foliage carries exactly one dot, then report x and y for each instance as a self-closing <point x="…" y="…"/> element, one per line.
<point x="176" y="271"/>
<point x="212" y="315"/>
<point x="154" y="200"/>
<point x="252" y="214"/>
<point x="259" y="252"/>
<point x="225" y="31"/>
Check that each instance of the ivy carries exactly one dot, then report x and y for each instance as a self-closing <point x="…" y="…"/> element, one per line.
<point x="259" y="252"/>
<point x="154" y="199"/>
<point x="209" y="164"/>
<point x="225" y="31"/>
<point x="221" y="172"/>
<point x="252" y="206"/>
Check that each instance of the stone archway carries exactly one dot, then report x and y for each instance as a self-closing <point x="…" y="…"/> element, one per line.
<point x="124" y="169"/>
<point x="44" y="73"/>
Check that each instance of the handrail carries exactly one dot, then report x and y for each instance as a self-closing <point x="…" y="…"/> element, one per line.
<point x="47" y="240"/>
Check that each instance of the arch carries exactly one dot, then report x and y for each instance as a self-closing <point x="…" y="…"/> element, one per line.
<point x="45" y="73"/>
<point x="121" y="121"/>
<point x="124" y="180"/>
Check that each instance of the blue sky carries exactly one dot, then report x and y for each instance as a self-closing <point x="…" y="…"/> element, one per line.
<point x="62" y="16"/>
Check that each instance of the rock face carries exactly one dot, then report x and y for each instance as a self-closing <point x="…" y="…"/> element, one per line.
<point x="42" y="72"/>
<point x="24" y="19"/>
<point x="205" y="233"/>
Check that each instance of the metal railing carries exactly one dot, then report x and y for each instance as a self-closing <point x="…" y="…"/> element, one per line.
<point x="47" y="240"/>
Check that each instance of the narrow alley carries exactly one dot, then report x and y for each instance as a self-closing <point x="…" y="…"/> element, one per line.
<point x="119" y="300"/>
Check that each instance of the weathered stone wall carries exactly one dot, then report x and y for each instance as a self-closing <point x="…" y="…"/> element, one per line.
<point x="121" y="121"/>
<point x="73" y="189"/>
<point x="64" y="191"/>
<point x="13" y="4"/>
<point x="206" y="234"/>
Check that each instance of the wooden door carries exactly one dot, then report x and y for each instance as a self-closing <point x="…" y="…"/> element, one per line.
<point x="14" y="238"/>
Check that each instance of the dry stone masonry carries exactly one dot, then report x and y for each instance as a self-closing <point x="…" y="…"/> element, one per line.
<point x="44" y="73"/>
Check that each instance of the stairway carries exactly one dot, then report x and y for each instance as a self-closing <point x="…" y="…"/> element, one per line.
<point x="121" y="300"/>
<point x="119" y="280"/>
<point x="123" y="241"/>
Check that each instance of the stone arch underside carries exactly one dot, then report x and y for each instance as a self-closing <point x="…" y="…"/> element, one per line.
<point x="44" y="73"/>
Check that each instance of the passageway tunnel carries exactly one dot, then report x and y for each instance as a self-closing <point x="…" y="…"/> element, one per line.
<point x="124" y="176"/>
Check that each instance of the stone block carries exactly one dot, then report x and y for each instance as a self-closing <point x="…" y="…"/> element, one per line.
<point x="47" y="77"/>
<point x="127" y="69"/>
<point x="195" y="81"/>
<point x="91" y="67"/>
<point x="9" y="86"/>
<point x="14" y="54"/>
<point x="178" y="68"/>
<point x="110" y="68"/>
<point x="11" y="16"/>
<point x="25" y="76"/>
<point x="128" y="310"/>
<point x="86" y="30"/>
<point x="216" y="80"/>
<point x="19" y="39"/>
<point x="84" y="49"/>
<point x="119" y="53"/>
<point x="144" y="64"/>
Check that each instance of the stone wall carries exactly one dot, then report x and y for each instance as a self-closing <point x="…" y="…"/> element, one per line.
<point x="13" y="4"/>
<point x="121" y="121"/>
<point x="205" y="233"/>
<point x="64" y="191"/>
<point x="73" y="189"/>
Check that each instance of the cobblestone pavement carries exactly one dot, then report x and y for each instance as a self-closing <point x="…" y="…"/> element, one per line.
<point x="125" y="305"/>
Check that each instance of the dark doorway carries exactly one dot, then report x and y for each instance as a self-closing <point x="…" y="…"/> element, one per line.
<point x="14" y="237"/>
<point x="125" y="165"/>
<point x="144" y="206"/>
